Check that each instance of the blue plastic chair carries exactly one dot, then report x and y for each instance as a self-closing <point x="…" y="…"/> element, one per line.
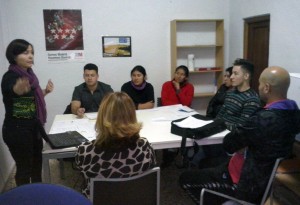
<point x="46" y="194"/>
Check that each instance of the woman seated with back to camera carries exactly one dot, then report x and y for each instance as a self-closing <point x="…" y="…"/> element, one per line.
<point x="118" y="151"/>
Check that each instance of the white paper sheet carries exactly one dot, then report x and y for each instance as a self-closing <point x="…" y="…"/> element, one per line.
<point x="191" y="122"/>
<point x="91" y="115"/>
<point x="170" y="113"/>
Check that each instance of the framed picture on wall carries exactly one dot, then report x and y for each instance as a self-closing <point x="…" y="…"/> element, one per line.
<point x="116" y="46"/>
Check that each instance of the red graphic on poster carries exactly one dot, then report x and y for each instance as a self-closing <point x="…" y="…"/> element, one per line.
<point x="63" y="30"/>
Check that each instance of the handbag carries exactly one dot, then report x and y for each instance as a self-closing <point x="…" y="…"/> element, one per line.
<point x="217" y="125"/>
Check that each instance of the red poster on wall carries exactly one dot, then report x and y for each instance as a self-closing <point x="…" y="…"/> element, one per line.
<point x="63" y="30"/>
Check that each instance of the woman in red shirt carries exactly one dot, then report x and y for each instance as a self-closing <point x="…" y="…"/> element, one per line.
<point x="178" y="90"/>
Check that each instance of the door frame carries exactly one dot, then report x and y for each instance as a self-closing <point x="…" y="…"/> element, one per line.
<point x="264" y="17"/>
<point x="260" y="61"/>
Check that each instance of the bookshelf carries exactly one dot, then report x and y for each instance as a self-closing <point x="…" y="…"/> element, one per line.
<point x="205" y="40"/>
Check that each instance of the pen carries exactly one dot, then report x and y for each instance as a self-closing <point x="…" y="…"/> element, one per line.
<point x="181" y="110"/>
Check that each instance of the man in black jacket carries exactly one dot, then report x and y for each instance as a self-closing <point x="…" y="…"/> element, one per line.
<point x="268" y="135"/>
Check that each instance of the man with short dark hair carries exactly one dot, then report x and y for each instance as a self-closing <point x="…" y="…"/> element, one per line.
<point x="88" y="95"/>
<point x="243" y="101"/>
<point x="240" y="103"/>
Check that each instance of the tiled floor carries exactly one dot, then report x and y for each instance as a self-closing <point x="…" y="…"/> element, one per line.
<point x="171" y="193"/>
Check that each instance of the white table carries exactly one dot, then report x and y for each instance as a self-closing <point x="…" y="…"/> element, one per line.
<point x="156" y="128"/>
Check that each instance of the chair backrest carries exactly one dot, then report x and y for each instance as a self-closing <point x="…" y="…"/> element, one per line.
<point x="68" y="109"/>
<point x="139" y="189"/>
<point x="46" y="194"/>
<point x="158" y="103"/>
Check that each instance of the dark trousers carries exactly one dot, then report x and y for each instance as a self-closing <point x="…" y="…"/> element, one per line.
<point x="169" y="155"/>
<point x="216" y="178"/>
<point x="25" y="145"/>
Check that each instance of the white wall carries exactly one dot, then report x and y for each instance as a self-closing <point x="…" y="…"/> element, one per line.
<point x="284" y="29"/>
<point x="146" y="21"/>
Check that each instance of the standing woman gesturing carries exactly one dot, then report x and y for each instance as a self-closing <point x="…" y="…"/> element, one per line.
<point x="25" y="112"/>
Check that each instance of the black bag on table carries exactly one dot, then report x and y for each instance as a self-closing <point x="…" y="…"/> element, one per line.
<point x="216" y="126"/>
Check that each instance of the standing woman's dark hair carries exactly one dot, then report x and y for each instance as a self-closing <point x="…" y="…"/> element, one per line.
<point x="25" y="112"/>
<point x="15" y="48"/>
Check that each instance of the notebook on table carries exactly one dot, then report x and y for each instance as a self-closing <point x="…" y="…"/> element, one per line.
<point x="65" y="139"/>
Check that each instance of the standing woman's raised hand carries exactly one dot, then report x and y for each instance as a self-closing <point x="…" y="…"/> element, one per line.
<point x="49" y="87"/>
<point x="22" y="86"/>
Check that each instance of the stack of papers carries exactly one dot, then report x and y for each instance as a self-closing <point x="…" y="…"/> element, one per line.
<point x="191" y="122"/>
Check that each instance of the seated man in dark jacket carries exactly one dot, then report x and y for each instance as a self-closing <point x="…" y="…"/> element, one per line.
<point x="268" y="135"/>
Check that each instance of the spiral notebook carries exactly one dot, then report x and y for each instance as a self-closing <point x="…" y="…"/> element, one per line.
<point x="65" y="139"/>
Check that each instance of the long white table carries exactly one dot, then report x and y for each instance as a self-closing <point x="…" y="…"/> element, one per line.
<point x="156" y="128"/>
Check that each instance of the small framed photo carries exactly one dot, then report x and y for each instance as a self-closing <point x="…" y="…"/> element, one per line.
<point x="116" y="46"/>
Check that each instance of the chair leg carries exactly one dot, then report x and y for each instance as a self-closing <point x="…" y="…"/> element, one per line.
<point x="271" y="196"/>
<point x="61" y="168"/>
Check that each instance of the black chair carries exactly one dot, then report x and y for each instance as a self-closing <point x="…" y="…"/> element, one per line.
<point x="140" y="189"/>
<point x="158" y="103"/>
<point x="68" y="109"/>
